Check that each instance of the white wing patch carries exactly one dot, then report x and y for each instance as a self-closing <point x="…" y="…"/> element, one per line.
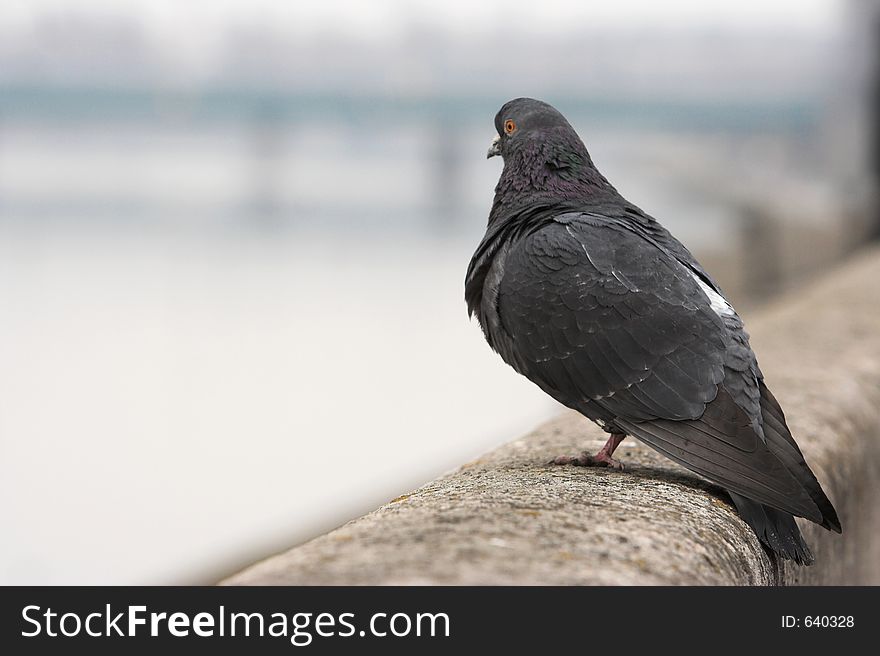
<point x="718" y="303"/>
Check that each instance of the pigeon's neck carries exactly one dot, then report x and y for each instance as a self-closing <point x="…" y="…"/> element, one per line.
<point x="547" y="172"/>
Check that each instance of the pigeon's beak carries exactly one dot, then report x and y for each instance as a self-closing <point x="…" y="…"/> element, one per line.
<point x="494" y="147"/>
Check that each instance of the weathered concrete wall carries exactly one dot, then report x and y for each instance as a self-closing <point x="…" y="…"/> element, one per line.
<point x="510" y="518"/>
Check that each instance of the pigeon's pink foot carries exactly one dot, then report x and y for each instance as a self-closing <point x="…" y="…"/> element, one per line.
<point x="601" y="459"/>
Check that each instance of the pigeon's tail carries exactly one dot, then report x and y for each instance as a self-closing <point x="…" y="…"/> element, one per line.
<point x="775" y="528"/>
<point x="783" y="446"/>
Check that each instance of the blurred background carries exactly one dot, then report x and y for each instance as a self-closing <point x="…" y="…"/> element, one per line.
<point x="234" y="233"/>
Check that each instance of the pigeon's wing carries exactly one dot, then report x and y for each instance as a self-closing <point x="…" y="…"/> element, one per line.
<point x="597" y="314"/>
<point x="595" y="311"/>
<point x="722" y="446"/>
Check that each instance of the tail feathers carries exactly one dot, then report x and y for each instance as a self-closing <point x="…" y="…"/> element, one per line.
<point x="775" y="529"/>
<point x="782" y="445"/>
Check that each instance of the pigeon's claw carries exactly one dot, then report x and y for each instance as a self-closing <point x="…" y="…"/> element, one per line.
<point x="588" y="460"/>
<point x="601" y="459"/>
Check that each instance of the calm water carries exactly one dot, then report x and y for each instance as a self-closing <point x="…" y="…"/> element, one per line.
<point x="172" y="406"/>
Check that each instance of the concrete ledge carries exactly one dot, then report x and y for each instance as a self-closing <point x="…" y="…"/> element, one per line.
<point x="508" y="518"/>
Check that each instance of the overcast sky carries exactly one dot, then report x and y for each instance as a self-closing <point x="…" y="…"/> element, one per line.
<point x="188" y="40"/>
<point x="198" y="19"/>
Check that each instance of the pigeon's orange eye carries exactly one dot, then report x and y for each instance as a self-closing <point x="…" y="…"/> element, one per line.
<point x="509" y="126"/>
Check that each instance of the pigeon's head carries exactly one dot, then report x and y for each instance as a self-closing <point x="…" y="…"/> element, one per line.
<point x="545" y="161"/>
<point x="526" y="120"/>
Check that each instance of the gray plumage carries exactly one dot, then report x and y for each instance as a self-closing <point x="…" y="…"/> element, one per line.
<point x="600" y="306"/>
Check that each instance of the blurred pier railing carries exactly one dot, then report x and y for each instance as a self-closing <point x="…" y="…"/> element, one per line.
<point x="272" y="159"/>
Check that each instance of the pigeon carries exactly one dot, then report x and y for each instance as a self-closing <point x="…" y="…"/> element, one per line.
<point x="595" y="302"/>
